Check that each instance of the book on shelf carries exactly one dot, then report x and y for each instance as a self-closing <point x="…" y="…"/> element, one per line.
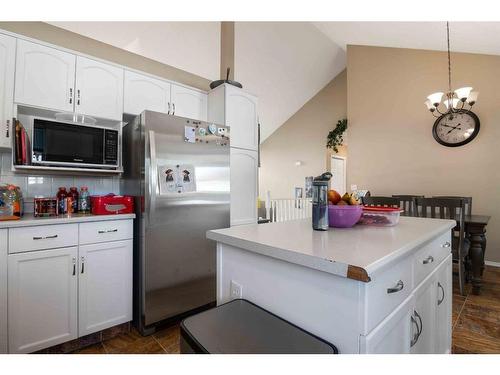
<point x="22" y="145"/>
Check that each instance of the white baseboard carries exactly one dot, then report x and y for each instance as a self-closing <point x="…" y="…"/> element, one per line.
<point x="492" y="264"/>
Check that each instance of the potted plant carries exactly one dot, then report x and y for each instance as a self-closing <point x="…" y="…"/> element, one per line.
<point x="335" y="136"/>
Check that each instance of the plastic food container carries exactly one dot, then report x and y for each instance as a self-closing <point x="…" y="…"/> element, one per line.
<point x="380" y="216"/>
<point x="112" y="204"/>
<point x="343" y="216"/>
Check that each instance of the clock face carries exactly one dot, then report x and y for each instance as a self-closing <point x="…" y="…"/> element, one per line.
<point x="456" y="129"/>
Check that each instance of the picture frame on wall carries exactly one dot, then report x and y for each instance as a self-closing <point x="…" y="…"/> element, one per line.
<point x="308" y="187"/>
<point x="298" y="196"/>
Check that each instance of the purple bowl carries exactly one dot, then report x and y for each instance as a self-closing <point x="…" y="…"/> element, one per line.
<point x="344" y="216"/>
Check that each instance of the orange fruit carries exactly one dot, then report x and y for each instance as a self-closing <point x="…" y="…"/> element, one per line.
<point x="333" y="197"/>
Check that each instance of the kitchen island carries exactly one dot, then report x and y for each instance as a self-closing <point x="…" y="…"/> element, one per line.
<point x="364" y="289"/>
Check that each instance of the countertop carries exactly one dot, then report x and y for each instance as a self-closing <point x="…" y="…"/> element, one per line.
<point x="356" y="252"/>
<point x="30" y="220"/>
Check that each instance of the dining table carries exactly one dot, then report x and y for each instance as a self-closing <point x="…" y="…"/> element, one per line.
<point x="475" y="231"/>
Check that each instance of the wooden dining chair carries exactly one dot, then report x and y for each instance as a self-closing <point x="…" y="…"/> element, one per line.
<point x="454" y="209"/>
<point x="407" y="203"/>
<point x="467" y="202"/>
<point x="380" y="201"/>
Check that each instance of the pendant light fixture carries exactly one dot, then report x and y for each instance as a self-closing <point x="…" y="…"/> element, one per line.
<point x="460" y="100"/>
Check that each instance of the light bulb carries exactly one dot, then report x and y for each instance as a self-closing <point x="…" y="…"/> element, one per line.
<point x="472" y="98"/>
<point x="454" y="102"/>
<point x="435" y="98"/>
<point x="429" y="105"/>
<point x="463" y="93"/>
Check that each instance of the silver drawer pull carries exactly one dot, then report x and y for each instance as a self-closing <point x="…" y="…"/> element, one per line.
<point x="45" y="238"/>
<point x="440" y="301"/>
<point x="107" y="231"/>
<point x="428" y="260"/>
<point x="399" y="286"/>
<point x="446" y="244"/>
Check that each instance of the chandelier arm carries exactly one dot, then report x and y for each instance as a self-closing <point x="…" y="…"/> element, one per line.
<point x="449" y="54"/>
<point x="441" y="113"/>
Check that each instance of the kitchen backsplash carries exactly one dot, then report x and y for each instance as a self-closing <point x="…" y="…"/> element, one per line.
<point x="47" y="185"/>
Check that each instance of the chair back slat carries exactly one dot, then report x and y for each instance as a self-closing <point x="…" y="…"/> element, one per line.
<point x="407" y="203"/>
<point x="380" y="201"/>
<point x="467" y="202"/>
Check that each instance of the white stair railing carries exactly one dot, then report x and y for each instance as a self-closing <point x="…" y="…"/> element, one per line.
<point x="285" y="209"/>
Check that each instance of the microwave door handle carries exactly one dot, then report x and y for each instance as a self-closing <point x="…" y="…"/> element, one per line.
<point x="153" y="175"/>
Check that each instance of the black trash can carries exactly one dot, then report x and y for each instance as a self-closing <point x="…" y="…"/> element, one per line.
<point x="241" y="327"/>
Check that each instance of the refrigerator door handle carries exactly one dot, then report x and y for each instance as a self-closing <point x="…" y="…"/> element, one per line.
<point x="153" y="175"/>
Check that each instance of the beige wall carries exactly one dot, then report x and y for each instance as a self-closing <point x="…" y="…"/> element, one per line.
<point x="391" y="148"/>
<point x="67" y="39"/>
<point x="302" y="137"/>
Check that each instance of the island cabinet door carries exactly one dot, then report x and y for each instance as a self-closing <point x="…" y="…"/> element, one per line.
<point x="443" y="306"/>
<point x="42" y="299"/>
<point x="105" y="285"/>
<point x="244" y="175"/>
<point x="424" y="315"/>
<point x="394" y="334"/>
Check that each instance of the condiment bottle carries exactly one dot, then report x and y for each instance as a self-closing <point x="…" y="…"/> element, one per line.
<point x="84" y="200"/>
<point x="14" y="200"/>
<point x="73" y="192"/>
<point x="62" y="194"/>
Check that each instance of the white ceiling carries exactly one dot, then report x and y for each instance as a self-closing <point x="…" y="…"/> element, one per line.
<point x="285" y="64"/>
<point x="473" y="37"/>
<point x="190" y="46"/>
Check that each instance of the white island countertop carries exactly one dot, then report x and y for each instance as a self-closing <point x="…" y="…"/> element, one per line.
<point x="354" y="253"/>
<point x="30" y="220"/>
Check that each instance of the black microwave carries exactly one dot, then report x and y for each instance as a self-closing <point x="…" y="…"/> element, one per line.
<point x="61" y="144"/>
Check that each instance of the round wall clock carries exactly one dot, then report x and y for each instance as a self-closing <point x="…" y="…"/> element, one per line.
<point x="457" y="129"/>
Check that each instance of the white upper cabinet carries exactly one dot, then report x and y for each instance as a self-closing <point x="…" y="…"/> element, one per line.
<point x="44" y="76"/>
<point x="7" y="69"/>
<point x="99" y="89"/>
<point x="145" y="93"/>
<point x="233" y="107"/>
<point x="188" y="103"/>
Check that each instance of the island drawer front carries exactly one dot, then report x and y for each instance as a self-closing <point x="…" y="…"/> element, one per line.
<point x="430" y="256"/>
<point x="105" y="231"/>
<point x="385" y="292"/>
<point x="42" y="237"/>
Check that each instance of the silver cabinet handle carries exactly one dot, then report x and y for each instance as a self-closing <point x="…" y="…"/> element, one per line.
<point x="107" y="231"/>
<point x="173" y="108"/>
<point x="78" y="97"/>
<point x="440" y="301"/>
<point x="414" y="339"/>
<point x="70" y="95"/>
<point x="446" y="244"/>
<point x="7" y="128"/>
<point x="399" y="286"/>
<point x="74" y="266"/>
<point x="45" y="238"/>
<point x="168" y="112"/>
<point x="421" y="328"/>
<point x="428" y="260"/>
<point x="83" y="264"/>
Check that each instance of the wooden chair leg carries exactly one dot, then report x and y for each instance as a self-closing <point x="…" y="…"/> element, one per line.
<point x="461" y="275"/>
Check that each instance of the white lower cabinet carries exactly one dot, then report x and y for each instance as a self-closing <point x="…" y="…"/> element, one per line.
<point x="105" y="285"/>
<point x="3" y="291"/>
<point x="42" y="299"/>
<point x="424" y="315"/>
<point x="244" y="166"/>
<point x="58" y="294"/>
<point x="444" y="295"/>
<point x="393" y="335"/>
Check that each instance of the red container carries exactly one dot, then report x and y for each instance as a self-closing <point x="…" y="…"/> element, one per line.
<point x="112" y="204"/>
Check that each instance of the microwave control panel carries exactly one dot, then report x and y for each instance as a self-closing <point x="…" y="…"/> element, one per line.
<point x="110" y="146"/>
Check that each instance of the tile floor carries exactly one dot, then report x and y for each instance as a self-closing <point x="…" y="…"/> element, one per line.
<point x="476" y="326"/>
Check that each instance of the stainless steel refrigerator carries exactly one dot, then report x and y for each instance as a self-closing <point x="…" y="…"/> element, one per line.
<point x="178" y="171"/>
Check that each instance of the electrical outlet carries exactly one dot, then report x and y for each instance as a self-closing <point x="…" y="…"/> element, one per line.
<point x="236" y="290"/>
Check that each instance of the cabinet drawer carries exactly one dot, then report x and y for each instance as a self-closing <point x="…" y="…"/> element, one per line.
<point x="42" y="237"/>
<point x="385" y="292"/>
<point x="104" y="231"/>
<point x="430" y="256"/>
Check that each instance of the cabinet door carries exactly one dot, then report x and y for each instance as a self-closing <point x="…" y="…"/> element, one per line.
<point x="145" y="93"/>
<point x="45" y="76"/>
<point x="3" y="291"/>
<point x="99" y="89"/>
<point x="425" y="315"/>
<point x="105" y="285"/>
<point x="241" y="116"/>
<point x="243" y="186"/>
<point x="393" y="335"/>
<point x="443" y="306"/>
<point x="188" y="103"/>
<point x="7" y="70"/>
<point x="42" y="299"/>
